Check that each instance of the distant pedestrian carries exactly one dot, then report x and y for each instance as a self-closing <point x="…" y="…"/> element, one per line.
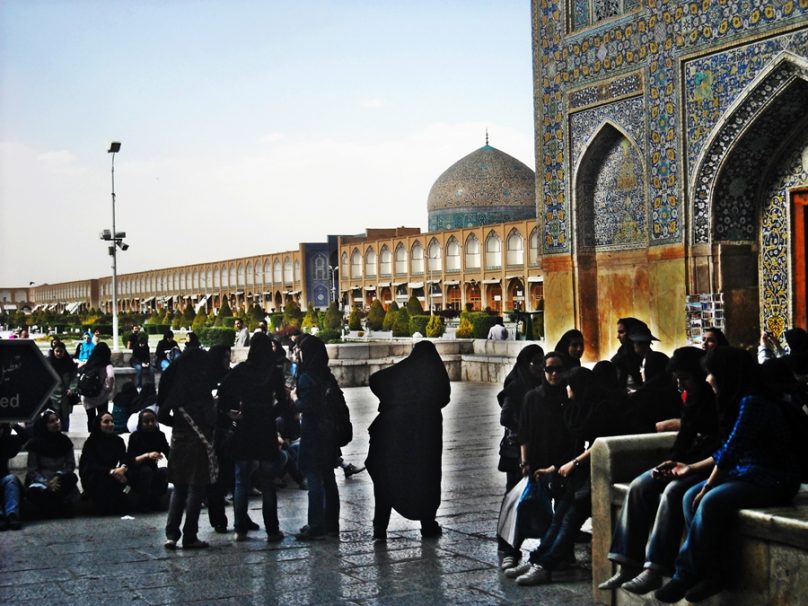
<point x="85" y="348"/>
<point x="242" y="334"/>
<point x="498" y="332"/>
<point x="102" y="377"/>
<point x="167" y="350"/>
<point x="141" y="360"/>
<point x="134" y="337"/>
<point x="406" y="440"/>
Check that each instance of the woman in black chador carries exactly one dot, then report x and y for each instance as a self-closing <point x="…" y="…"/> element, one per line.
<point x="406" y="439"/>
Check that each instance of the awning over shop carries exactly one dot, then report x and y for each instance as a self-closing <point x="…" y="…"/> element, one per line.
<point x="383" y="284"/>
<point x="147" y="300"/>
<point x="370" y="288"/>
<point x="434" y="281"/>
<point x="535" y="279"/>
<point x="416" y="285"/>
<point x="452" y="282"/>
<point x="71" y="308"/>
<point x="200" y="303"/>
<point x="491" y="281"/>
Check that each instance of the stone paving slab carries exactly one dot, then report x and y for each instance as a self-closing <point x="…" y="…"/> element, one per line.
<point x="95" y="560"/>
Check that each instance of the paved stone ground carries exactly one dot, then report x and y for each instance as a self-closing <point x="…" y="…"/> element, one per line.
<point x="117" y="561"/>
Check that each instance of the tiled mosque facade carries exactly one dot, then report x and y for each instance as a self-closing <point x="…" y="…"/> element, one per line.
<point x="671" y="153"/>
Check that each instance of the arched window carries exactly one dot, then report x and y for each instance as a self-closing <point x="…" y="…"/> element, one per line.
<point x="209" y="280"/>
<point x="417" y="258"/>
<point x="434" y="260"/>
<point x="297" y="270"/>
<point x="385" y="261"/>
<point x="472" y="252"/>
<point x="277" y="274"/>
<point x="288" y="278"/>
<point x="493" y="251"/>
<point x="266" y="274"/>
<point x="346" y="269"/>
<point x="370" y="263"/>
<point x="233" y="273"/>
<point x="223" y="277"/>
<point x="533" y="251"/>
<point x="320" y="266"/>
<point x="401" y="259"/>
<point x="452" y="255"/>
<point x="515" y="251"/>
<point x="356" y="264"/>
<point x="249" y="276"/>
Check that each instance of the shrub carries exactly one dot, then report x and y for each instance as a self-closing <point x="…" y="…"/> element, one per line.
<point x="482" y="323"/>
<point x="435" y="327"/>
<point x="176" y="321"/>
<point x="330" y="336"/>
<point x="292" y="316"/>
<point x="466" y="329"/>
<point x="401" y="326"/>
<point x="200" y="320"/>
<point x="414" y="306"/>
<point x="355" y="319"/>
<point x="275" y="322"/>
<point x="217" y="335"/>
<point x="188" y="314"/>
<point x="224" y="312"/>
<point x="375" y="319"/>
<point x="418" y="324"/>
<point x="310" y="320"/>
<point x="333" y="318"/>
<point x="167" y="317"/>
<point x="390" y="316"/>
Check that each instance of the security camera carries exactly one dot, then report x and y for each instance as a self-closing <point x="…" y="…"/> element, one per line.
<point x="124" y="246"/>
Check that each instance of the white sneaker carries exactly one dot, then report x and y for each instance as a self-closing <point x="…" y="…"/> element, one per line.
<point x="518" y="571"/>
<point x="535" y="576"/>
<point x="509" y="562"/>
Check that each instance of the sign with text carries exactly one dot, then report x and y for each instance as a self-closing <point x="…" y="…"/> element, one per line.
<point x="26" y="380"/>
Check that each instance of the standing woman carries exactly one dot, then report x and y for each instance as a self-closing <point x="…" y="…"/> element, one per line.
<point x="571" y="347"/>
<point x="51" y="479"/>
<point x="100" y="361"/>
<point x="319" y="453"/>
<point x="525" y="375"/>
<point x="103" y="466"/>
<point x="190" y="410"/>
<point x="755" y="467"/>
<point x="626" y="360"/>
<point x="64" y="396"/>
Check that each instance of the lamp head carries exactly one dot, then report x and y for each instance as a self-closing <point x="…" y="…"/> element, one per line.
<point x="114" y="147"/>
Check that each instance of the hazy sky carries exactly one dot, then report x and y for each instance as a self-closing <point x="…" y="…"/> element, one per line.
<point x="246" y="126"/>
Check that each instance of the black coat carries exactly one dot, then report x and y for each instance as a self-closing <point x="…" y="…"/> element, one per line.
<point x="406" y="438"/>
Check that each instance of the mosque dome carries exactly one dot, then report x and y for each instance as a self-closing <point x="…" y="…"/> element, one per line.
<point x="486" y="186"/>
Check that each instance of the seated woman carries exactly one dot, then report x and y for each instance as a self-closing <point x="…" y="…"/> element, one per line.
<point x="564" y="472"/>
<point x="51" y="479"/>
<point x="123" y="405"/>
<point x="656" y="400"/>
<point x="757" y="466"/>
<point x="12" y="439"/>
<point x="103" y="466"/>
<point x="649" y="528"/>
<point x="147" y="445"/>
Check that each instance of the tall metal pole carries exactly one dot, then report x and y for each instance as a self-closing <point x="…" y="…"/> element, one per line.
<point x="115" y="345"/>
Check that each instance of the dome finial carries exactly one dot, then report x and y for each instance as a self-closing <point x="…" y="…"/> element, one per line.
<point x="486" y="136"/>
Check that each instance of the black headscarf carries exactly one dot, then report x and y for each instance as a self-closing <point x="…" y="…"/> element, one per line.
<point x="48" y="443"/>
<point x="626" y="359"/>
<point x="737" y="375"/>
<point x="64" y="364"/>
<point x="419" y="380"/>
<point x="314" y="360"/>
<point x="563" y="346"/>
<point x="520" y="379"/>
<point x="101" y="356"/>
<point x="797" y="340"/>
<point x="217" y="367"/>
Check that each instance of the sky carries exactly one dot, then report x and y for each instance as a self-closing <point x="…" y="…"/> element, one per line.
<point x="246" y="127"/>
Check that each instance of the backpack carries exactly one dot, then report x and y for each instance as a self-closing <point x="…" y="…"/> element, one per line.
<point x="336" y="419"/>
<point x="90" y="382"/>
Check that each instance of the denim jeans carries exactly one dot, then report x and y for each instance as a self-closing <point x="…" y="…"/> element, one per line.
<point x="558" y="542"/>
<point x="653" y="505"/>
<point x="10" y="489"/>
<point x="264" y="473"/>
<point x="139" y="370"/>
<point x="700" y="555"/>
<point x="323" y="515"/>
<point x="185" y="498"/>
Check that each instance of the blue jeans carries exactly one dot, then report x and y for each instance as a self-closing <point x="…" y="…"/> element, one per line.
<point x="323" y="514"/>
<point x="655" y="505"/>
<point x="558" y="542"/>
<point x="699" y="557"/>
<point x="265" y="472"/>
<point x="139" y="370"/>
<point x="10" y="489"/>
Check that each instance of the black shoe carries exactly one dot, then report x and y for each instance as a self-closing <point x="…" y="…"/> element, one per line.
<point x="671" y="592"/>
<point x="220" y="529"/>
<point x="351" y="470"/>
<point x="3" y="523"/>
<point x="307" y="534"/>
<point x="14" y="522"/>
<point x="703" y="590"/>
<point x="252" y="525"/>
<point x="379" y="536"/>
<point x="431" y="531"/>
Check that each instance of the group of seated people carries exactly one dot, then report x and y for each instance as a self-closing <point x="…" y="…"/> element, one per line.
<point x="736" y="447"/>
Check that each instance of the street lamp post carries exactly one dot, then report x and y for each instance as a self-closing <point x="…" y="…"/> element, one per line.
<point x="116" y="241"/>
<point x="333" y="271"/>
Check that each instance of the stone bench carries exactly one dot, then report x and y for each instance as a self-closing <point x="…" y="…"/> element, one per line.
<point x="765" y="551"/>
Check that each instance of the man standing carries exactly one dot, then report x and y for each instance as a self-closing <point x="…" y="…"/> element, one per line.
<point x="498" y="332"/>
<point x="242" y="334"/>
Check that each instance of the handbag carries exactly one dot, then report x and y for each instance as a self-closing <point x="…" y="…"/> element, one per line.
<point x="213" y="461"/>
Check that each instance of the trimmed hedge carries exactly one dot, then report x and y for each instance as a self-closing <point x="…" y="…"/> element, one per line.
<point x="330" y="336"/>
<point x="401" y="327"/>
<point x="482" y="323"/>
<point x="418" y="324"/>
<point x="375" y="318"/>
<point x="216" y="335"/>
<point x="435" y="327"/>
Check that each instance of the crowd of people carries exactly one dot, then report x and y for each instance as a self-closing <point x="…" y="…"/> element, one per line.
<point x="737" y="445"/>
<point x="239" y="430"/>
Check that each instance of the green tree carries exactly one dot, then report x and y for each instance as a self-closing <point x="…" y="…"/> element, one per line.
<point x="188" y="314"/>
<point x="310" y="320"/>
<point x="414" y="306"/>
<point x="435" y="327"/>
<point x="401" y="326"/>
<point x="200" y="321"/>
<point x="390" y="316"/>
<point x="333" y="317"/>
<point x="375" y="319"/>
<point x="466" y="329"/>
<point x="292" y="316"/>
<point x="355" y="319"/>
<point x="224" y="312"/>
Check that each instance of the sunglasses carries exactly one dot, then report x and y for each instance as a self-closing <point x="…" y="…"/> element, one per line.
<point x="553" y="369"/>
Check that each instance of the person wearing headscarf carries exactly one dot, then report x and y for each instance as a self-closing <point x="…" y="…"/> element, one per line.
<point x="103" y="467"/>
<point x="319" y="453"/>
<point x="253" y="394"/>
<point x="147" y="446"/>
<point x="12" y="439"/>
<point x="51" y="479"/>
<point x="219" y="356"/>
<point x="141" y="359"/>
<point x="571" y="347"/>
<point x="406" y="439"/>
<point x="189" y="409"/>
<point x="192" y="341"/>
<point x="124" y="404"/>
<point x="656" y="400"/>
<point x="100" y="361"/>
<point x="756" y="466"/>
<point x="85" y="349"/>
<point x="64" y="395"/>
<point x="147" y="398"/>
<point x="626" y="361"/>
<point x="649" y="528"/>
<point x="526" y="374"/>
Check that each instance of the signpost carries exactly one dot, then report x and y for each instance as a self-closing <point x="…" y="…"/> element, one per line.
<point x="26" y="380"/>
